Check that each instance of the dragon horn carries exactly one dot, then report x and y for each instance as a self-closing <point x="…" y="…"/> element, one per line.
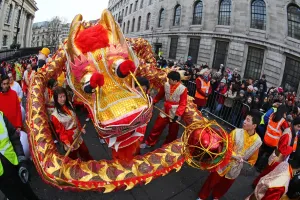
<point x="116" y="35"/>
<point x="76" y="26"/>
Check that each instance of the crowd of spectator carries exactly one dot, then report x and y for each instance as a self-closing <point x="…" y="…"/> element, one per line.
<point x="230" y="96"/>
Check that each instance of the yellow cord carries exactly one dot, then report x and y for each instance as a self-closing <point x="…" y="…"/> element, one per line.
<point x="195" y="160"/>
<point x="134" y="78"/>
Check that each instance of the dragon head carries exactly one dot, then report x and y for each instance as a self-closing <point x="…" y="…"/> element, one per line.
<point x="100" y="70"/>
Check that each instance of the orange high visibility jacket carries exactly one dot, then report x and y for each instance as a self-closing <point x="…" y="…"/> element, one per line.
<point x="273" y="132"/>
<point x="204" y="88"/>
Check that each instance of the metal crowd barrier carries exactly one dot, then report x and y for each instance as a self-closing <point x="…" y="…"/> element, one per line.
<point x="191" y="86"/>
<point x="233" y="116"/>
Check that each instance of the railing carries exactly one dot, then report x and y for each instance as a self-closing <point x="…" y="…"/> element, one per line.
<point x="233" y="116"/>
<point x="15" y="54"/>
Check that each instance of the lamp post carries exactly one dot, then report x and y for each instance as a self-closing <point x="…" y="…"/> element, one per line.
<point x="18" y="22"/>
<point x="152" y="30"/>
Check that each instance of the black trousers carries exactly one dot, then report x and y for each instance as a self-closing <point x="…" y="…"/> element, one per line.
<point x="263" y="156"/>
<point x="11" y="185"/>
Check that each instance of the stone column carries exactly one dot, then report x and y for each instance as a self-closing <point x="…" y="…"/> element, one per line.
<point x="28" y="35"/>
<point x="23" y="27"/>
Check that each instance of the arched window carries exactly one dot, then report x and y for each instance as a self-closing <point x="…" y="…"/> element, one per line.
<point x="132" y="26"/>
<point x="177" y="13"/>
<point x="124" y="24"/>
<point x="128" y="25"/>
<point x="258" y="14"/>
<point x="8" y="14"/>
<point x="148" y="21"/>
<point x="293" y="21"/>
<point x="197" y="15"/>
<point x="139" y="23"/>
<point x="161" y="17"/>
<point x="225" y="12"/>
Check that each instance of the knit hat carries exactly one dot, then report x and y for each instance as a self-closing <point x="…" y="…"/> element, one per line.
<point x="296" y="121"/>
<point x="280" y="90"/>
<point x="204" y="71"/>
<point x="242" y="92"/>
<point x="223" y="81"/>
<point x="250" y="87"/>
<point x="255" y="89"/>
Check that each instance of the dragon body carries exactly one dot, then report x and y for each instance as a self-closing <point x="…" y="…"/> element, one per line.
<point x="119" y="112"/>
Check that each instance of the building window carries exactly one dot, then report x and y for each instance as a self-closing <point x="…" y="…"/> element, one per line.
<point x="123" y="13"/>
<point x="177" y="13"/>
<point x="17" y="18"/>
<point x="197" y="15"/>
<point x="221" y="52"/>
<point x="130" y="9"/>
<point x="4" y="42"/>
<point x="8" y="14"/>
<point x="132" y="26"/>
<point x="161" y="17"/>
<point x="128" y="25"/>
<point x="254" y="63"/>
<point x="135" y="5"/>
<point x="142" y="2"/>
<point x="126" y="11"/>
<point x="194" y="49"/>
<point x="173" y="47"/>
<point x="290" y="81"/>
<point x="258" y="14"/>
<point x="139" y="23"/>
<point x="294" y="21"/>
<point x="148" y="21"/>
<point x="0" y="3"/>
<point x="225" y="12"/>
<point x="150" y="2"/>
<point x="124" y="25"/>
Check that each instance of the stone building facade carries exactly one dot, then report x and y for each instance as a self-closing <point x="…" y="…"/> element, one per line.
<point x="10" y="10"/>
<point x="255" y="36"/>
<point x="45" y="34"/>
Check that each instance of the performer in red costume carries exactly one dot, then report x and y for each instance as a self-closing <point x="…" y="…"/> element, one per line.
<point x="287" y="144"/>
<point x="67" y="125"/>
<point x="176" y="100"/>
<point x="246" y="143"/>
<point x="127" y="153"/>
<point x="10" y="104"/>
<point x="275" y="184"/>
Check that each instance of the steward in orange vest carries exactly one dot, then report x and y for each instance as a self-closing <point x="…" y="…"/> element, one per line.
<point x="276" y="125"/>
<point x="203" y="88"/>
<point x="286" y="146"/>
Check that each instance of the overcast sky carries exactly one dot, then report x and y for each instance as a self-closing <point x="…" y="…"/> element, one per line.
<point x="68" y="9"/>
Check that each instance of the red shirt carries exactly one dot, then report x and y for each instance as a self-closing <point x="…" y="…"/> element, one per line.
<point x="10" y="106"/>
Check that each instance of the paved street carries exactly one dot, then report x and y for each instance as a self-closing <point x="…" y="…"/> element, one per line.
<point x="183" y="185"/>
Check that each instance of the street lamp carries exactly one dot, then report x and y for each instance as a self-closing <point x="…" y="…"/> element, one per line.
<point x="18" y="22"/>
<point x="152" y="30"/>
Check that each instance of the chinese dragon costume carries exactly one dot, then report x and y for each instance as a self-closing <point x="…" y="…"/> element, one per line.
<point x="101" y="66"/>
